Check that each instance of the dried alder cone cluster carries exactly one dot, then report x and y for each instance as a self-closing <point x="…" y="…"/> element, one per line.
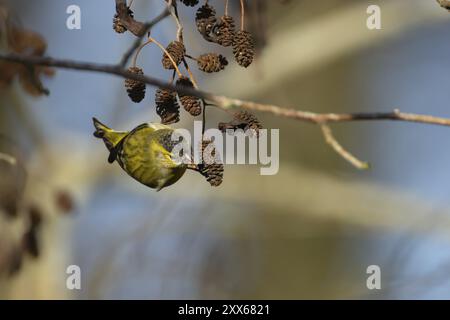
<point x="220" y="30"/>
<point x="135" y="89"/>
<point x="242" y="120"/>
<point x="211" y="167"/>
<point x="118" y="26"/>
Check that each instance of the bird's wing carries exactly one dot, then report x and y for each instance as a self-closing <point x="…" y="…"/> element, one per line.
<point x="158" y="126"/>
<point x="114" y="151"/>
<point x="139" y="127"/>
<point x="165" y="140"/>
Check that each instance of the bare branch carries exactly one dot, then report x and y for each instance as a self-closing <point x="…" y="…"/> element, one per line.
<point x="173" y="5"/>
<point x="229" y="103"/>
<point x="135" y="27"/>
<point x="101" y="68"/>
<point x="317" y="118"/>
<point x="146" y="27"/>
<point x="331" y="140"/>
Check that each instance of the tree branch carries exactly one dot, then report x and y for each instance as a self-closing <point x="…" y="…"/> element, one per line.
<point x="331" y="140"/>
<point x="226" y="103"/>
<point x="146" y="28"/>
<point x="135" y="27"/>
<point x="444" y="4"/>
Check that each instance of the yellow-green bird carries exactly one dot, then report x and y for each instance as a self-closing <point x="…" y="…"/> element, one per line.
<point x="145" y="153"/>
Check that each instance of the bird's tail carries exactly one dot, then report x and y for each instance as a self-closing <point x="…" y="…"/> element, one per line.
<point x="100" y="129"/>
<point x="109" y="136"/>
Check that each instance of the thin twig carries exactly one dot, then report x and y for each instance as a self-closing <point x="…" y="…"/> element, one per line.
<point x="242" y="15"/>
<point x="226" y="7"/>
<point x="230" y="103"/>
<point x="331" y="140"/>
<point x="175" y="16"/>
<point x="168" y="55"/>
<point x="137" y="42"/>
<point x="190" y="57"/>
<point x="172" y="79"/>
<point x="138" y="51"/>
<point x="191" y="75"/>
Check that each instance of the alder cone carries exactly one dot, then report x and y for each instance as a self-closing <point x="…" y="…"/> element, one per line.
<point x="213" y="174"/>
<point x="244" y="48"/>
<point x="167" y="106"/>
<point x="191" y="104"/>
<point x="224" y="31"/>
<point x="177" y="51"/>
<point x="243" y="120"/>
<point x="249" y="119"/>
<point x="117" y="25"/>
<point x="211" y="169"/>
<point x="135" y="89"/>
<point x="211" y="62"/>
<point x="205" y="19"/>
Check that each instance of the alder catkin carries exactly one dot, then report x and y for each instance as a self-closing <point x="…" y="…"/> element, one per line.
<point x="242" y="120"/>
<point x="249" y="119"/>
<point x="167" y="106"/>
<point x="177" y="51"/>
<point x="211" y="62"/>
<point x="244" y="48"/>
<point x="135" y="89"/>
<point x="205" y="19"/>
<point x="190" y="103"/>
<point x="224" y="31"/>
<point x="211" y="167"/>
<point x="117" y="25"/>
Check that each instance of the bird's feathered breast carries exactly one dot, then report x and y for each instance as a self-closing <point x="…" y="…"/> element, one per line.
<point x="146" y="155"/>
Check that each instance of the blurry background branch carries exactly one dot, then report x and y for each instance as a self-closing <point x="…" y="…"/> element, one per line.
<point x="230" y="103"/>
<point x="444" y="3"/>
<point x="310" y="58"/>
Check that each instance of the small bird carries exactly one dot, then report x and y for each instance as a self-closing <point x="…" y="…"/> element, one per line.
<point x="145" y="153"/>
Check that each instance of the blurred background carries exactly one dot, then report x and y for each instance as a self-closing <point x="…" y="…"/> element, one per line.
<point x="310" y="231"/>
